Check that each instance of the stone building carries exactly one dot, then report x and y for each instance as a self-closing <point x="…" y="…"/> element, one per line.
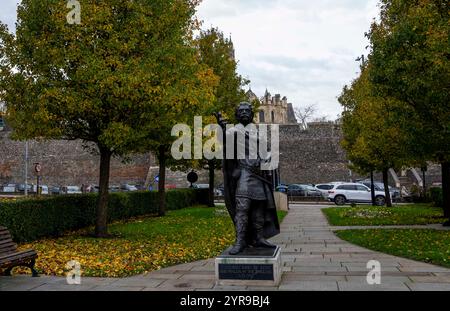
<point x="273" y="110"/>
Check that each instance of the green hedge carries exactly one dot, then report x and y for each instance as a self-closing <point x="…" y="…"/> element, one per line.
<point x="31" y="219"/>
<point x="436" y="196"/>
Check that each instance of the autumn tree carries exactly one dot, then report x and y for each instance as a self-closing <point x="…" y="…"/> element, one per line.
<point x="193" y="94"/>
<point x="410" y="63"/>
<point x="351" y="128"/>
<point x="106" y="80"/>
<point x="374" y="130"/>
<point x="217" y="52"/>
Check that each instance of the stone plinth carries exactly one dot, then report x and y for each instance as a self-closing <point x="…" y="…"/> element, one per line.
<point x="281" y="201"/>
<point x="252" y="267"/>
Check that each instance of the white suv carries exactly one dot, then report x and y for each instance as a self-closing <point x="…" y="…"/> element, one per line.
<point x="324" y="188"/>
<point x="355" y="193"/>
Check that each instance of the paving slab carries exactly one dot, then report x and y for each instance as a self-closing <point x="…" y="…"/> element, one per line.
<point x="138" y="281"/>
<point x="295" y="277"/>
<point x="362" y="280"/>
<point x="65" y="288"/>
<point x="429" y="286"/>
<point x="186" y="284"/>
<point x="356" y="286"/>
<point x="430" y="279"/>
<point x="309" y="286"/>
<point x="112" y="288"/>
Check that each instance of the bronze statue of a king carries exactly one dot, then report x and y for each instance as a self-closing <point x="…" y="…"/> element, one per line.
<point x="248" y="188"/>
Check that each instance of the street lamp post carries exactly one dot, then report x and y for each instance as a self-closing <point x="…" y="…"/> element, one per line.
<point x="26" y="168"/>
<point x="279" y="171"/>
<point x="37" y="169"/>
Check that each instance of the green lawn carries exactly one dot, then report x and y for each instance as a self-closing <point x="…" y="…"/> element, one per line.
<point x="140" y="245"/>
<point x="365" y="215"/>
<point x="431" y="246"/>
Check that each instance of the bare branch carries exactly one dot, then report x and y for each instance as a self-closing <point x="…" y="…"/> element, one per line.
<point x="304" y="114"/>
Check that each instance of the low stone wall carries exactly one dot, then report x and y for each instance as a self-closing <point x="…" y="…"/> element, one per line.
<point x="64" y="163"/>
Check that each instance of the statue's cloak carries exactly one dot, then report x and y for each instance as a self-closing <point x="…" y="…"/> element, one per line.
<point x="229" y="168"/>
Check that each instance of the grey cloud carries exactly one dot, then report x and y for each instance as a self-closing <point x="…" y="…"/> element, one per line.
<point x="8" y="13"/>
<point x="291" y="63"/>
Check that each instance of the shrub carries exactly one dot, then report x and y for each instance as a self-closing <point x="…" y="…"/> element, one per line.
<point x="34" y="218"/>
<point x="436" y="196"/>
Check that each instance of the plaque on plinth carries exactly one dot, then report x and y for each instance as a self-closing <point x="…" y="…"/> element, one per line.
<point x="252" y="267"/>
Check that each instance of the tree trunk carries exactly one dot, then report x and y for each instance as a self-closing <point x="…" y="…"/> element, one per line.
<point x="212" y="168"/>
<point x="101" y="228"/>
<point x="372" y="189"/>
<point x="162" y="181"/>
<point x="446" y="189"/>
<point x="387" y="193"/>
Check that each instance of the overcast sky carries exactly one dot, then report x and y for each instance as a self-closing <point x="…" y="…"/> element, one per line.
<point x="301" y="49"/>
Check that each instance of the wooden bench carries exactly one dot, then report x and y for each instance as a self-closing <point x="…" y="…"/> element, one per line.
<point x="10" y="257"/>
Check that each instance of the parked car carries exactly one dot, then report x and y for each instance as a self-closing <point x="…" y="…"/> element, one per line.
<point x="44" y="189"/>
<point x="324" y="188"/>
<point x="55" y="190"/>
<point x="355" y="193"/>
<point x="95" y="189"/>
<point x="21" y="188"/>
<point x="218" y="192"/>
<point x="297" y="190"/>
<point x="311" y="191"/>
<point x="113" y="189"/>
<point x="200" y="186"/>
<point x="140" y="187"/>
<point x="9" y="188"/>
<point x="379" y="186"/>
<point x="71" y="190"/>
<point x="128" y="188"/>
<point x="282" y="188"/>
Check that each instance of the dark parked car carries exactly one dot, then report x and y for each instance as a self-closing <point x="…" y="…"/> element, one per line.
<point x="297" y="190"/>
<point x="114" y="189"/>
<point x="55" y="190"/>
<point x="141" y="187"/>
<point x="200" y="186"/>
<point x="379" y="186"/>
<point x="21" y="188"/>
<point x="282" y="188"/>
<point x="128" y="188"/>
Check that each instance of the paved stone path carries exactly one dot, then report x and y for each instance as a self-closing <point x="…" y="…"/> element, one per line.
<point x="433" y="226"/>
<point x="313" y="258"/>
